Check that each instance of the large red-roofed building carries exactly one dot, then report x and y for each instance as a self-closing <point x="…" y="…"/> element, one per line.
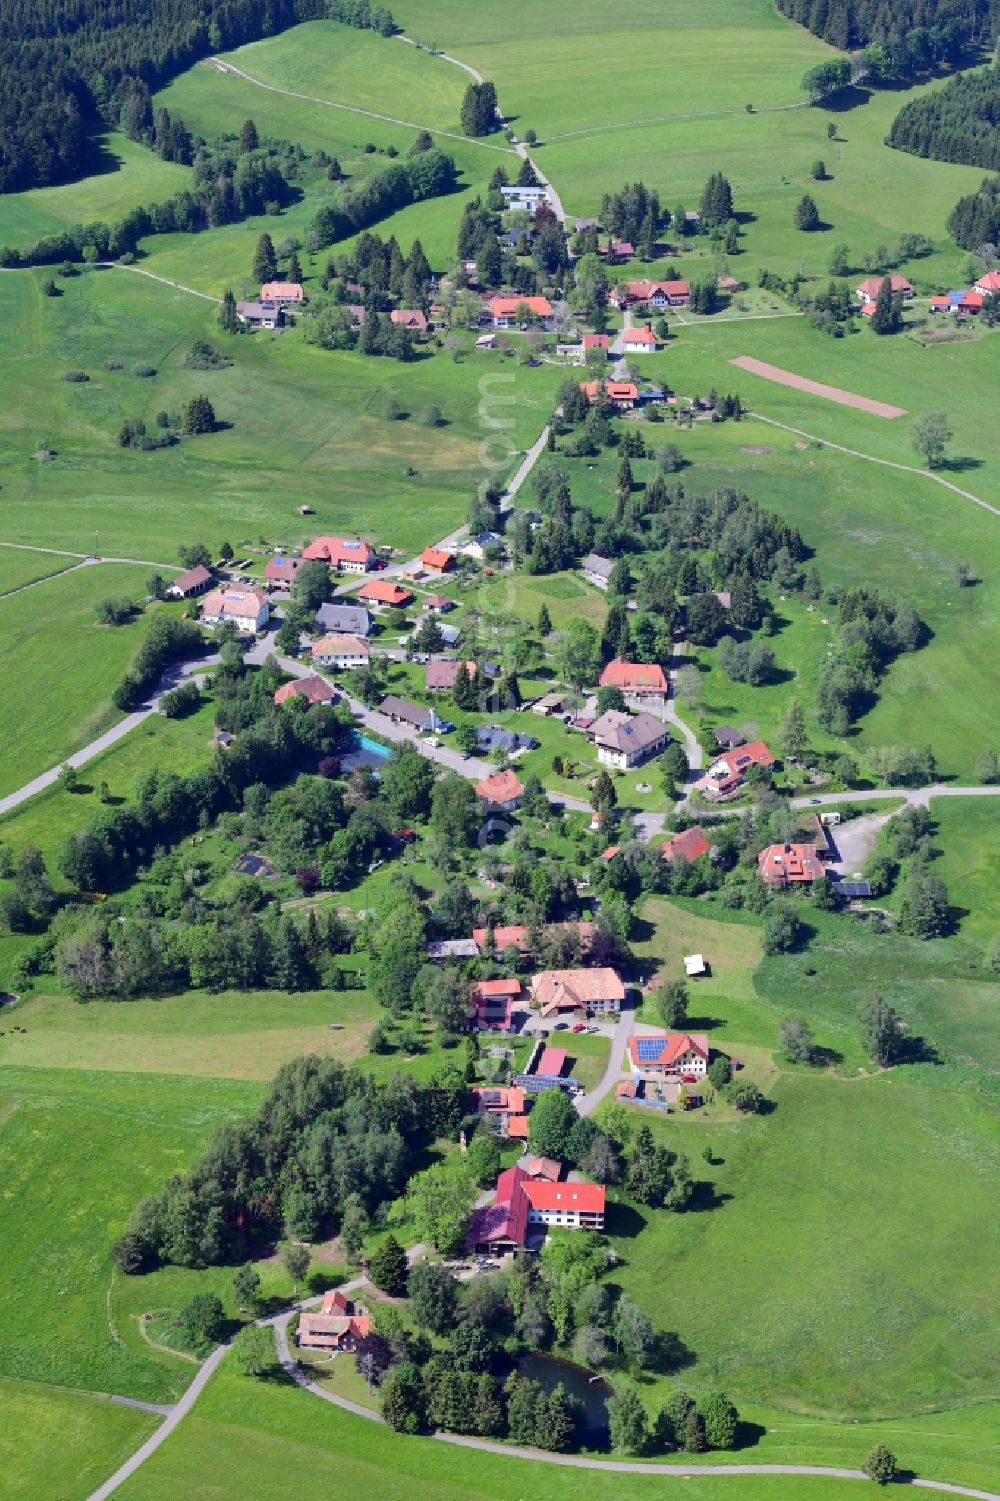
<point x="521" y="1203"/>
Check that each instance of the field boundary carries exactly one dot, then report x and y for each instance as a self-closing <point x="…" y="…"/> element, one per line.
<point x="816" y="387"/>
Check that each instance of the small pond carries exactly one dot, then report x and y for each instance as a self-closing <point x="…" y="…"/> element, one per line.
<point x="592" y="1392"/>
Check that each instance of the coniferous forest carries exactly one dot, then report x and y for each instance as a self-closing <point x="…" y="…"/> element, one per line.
<point x="955" y="124"/>
<point x="917" y="35"/>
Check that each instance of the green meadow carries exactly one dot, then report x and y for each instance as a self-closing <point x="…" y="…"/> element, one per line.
<point x="61" y="1443"/>
<point x="21" y="567"/>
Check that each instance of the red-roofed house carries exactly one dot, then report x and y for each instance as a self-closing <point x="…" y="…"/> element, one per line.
<point x="645" y="681"/>
<point x="641" y="340"/>
<point x="338" y="649"/>
<point x="384" y="594"/>
<point x="940" y="304"/>
<point x="596" y="341"/>
<point x="321" y="1331"/>
<point x="989" y="283"/>
<point x="727" y="774"/>
<point x="346" y="554"/>
<point x="248" y="609"/>
<point x="677" y="292"/>
<point x="520" y="937"/>
<point x="970" y="302"/>
<point x="688" y="845"/>
<point x="493" y="1001"/>
<point x="520" y="1202"/>
<point x="502" y="790"/>
<point x="505" y="1105"/>
<point x="869" y="289"/>
<point x="628" y="1089"/>
<point x="282" y="570"/>
<point x="189" y="585"/>
<point x="282" y="293"/>
<point x="409" y="317"/>
<point x="438" y="558"/>
<point x="507" y="312"/>
<point x="441" y="675"/>
<point x="620" y="393"/>
<point x="313" y="689"/>
<point x="789" y="864"/>
<point x="586" y="991"/>
<point x="665" y="1054"/>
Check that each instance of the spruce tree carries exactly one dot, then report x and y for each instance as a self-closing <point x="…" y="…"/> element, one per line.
<point x="227" y="314"/>
<point x="249" y="140"/>
<point x="886" y="317"/>
<point x="295" y="268"/>
<point x="389" y="1267"/>
<point x="198" y="416"/>
<point x="716" y="205"/>
<point x="806" y="213"/>
<point x="488" y="260"/>
<point x="265" y="262"/>
<point x="544" y="621"/>
<point x="526" y="176"/>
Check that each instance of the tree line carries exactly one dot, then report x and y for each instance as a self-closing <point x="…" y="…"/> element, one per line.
<point x="428" y="174"/>
<point x="908" y="38"/>
<point x="955" y="124"/>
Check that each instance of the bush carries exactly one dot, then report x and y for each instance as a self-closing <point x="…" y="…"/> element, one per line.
<point x="112" y="364"/>
<point x="76" y="377"/>
<point x="746" y="1098"/>
<point x="143" y="370"/>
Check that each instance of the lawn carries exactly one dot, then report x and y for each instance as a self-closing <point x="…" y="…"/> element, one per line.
<point x="227" y="1036"/>
<point x="62" y="666"/>
<point x="78" y="1150"/>
<point x="60" y="1443"/>
<point x="966" y="836"/>
<point x="21" y="567"/>
<point x="725" y="999"/>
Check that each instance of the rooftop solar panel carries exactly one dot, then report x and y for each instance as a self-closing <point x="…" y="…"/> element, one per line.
<point x="649" y="1048"/>
<point x="492" y="1096"/>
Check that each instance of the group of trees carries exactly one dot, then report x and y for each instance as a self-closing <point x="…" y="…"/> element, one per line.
<point x="975" y="219"/>
<point x="873" y="629"/>
<point x="954" y="124"/>
<point x="479" y="109"/>
<point x="909" y="38"/>
<point x="428" y="174"/>
<point x="711" y="1422"/>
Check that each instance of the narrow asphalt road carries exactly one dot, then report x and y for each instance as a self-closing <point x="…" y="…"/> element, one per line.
<point x="587" y="1103"/>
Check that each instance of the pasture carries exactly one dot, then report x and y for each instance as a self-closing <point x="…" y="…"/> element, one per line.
<point x="21" y="567"/>
<point x="61" y="1443"/>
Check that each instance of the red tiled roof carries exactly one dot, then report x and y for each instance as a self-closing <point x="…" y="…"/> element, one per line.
<point x="509" y="1098"/>
<point x="281" y="291"/>
<point x="626" y="1089"/>
<point x="518" y="937"/>
<point x="506" y="307"/>
<point x="502" y="787"/>
<point x="340" y="644"/>
<point x="871" y="285"/>
<point x="781" y="863"/>
<point x="674" y="1045"/>
<point x="408" y="317"/>
<point x="442" y="675"/>
<point x="690" y="844"/>
<point x="677" y="288"/>
<point x="193" y="579"/>
<point x="385" y="592"/>
<point x="517" y="1127"/>
<point x="551" y="1061"/>
<point x="340" y="550"/>
<point x="483" y="989"/>
<point x="644" y="336"/>
<point x="278" y="570"/>
<point x="437" y="557"/>
<point x="586" y="1198"/>
<point x="634" y="676"/>
<point x="595" y="341"/>
<point x="556" y="989"/>
<point x="507" y="1217"/>
<point x="313" y="689"/>
<point x="753" y="753"/>
<point x="989" y="283"/>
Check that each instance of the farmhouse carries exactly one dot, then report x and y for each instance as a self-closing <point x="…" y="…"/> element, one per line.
<point x="345" y="554"/>
<point x="669" y="1055"/>
<point x="401" y="711"/>
<point x="409" y="317"/>
<point x="476" y="546"/>
<point x="789" y="864"/>
<point x="437" y="558"/>
<point x="645" y="681"/>
<point x="383" y="594"/>
<point x="282" y="293"/>
<point x="596" y="341"/>
<point x="337" y="649"/>
<point x="621" y="393"/>
<point x="260" y="314"/>
<point x="584" y="992"/>
<point x="501" y="938"/>
<point x="509" y="312"/>
<point x="990" y="283"/>
<point x="641" y="340"/>
<point x="500" y="1104"/>
<point x="691" y="844"/>
<point x="527" y="197"/>
<point x="626" y="740"/>
<point x="521" y="1203"/>
<point x="338" y="1325"/>
<point x="658" y="294"/>
<point x="727" y="774"/>
<point x="281" y="570"/>
<point x="597" y="570"/>
<point x="869" y="289"/>
<point x="441" y="675"/>
<point x="351" y="620"/>
<point x="502" y="790"/>
<point x="313" y="689"/>
<point x="189" y="585"/>
<point x="493" y="1002"/>
<point x="248" y="609"/>
<point x="437" y="604"/>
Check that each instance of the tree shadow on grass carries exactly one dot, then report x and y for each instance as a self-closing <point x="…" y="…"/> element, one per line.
<point x="624" y="1221"/>
<point x="820" y="1057"/>
<point x="958" y="465"/>
<point x="706" y="1197"/>
<point x="748" y="1435"/>
<point x="669" y="1353"/>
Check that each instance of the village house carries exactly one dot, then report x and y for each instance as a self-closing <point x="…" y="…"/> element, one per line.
<point x="313" y="689"/>
<point x="437" y="604"/>
<point x="869" y="289"/>
<point x="667" y="1055"/>
<point x="621" y="250"/>
<point x="585" y="992"/>
<point x="988" y="284"/>
<point x="348" y="620"/>
<point x="438" y="559"/>
<point x="501" y="1103"/>
<point x="345" y="554"/>
<point x="439" y="949"/>
<point x="621" y="393"/>
<point x="248" y="609"/>
<point x="789" y="864"/>
<point x="727" y="774"/>
<point x="596" y="341"/>
<point x="645" y="682"/>
<point x="401" y="711"/>
<point x="546" y="1168"/>
<point x="597" y="570"/>
<point x="489" y="737"/>
<point x="337" y="649"/>
<point x="628" y="1089"/>
<point x="526" y="197"/>
<point x="260" y="314"/>
<point x="691" y="844"/>
<point x="441" y="675"/>
<point x="338" y="1325"/>
<point x="729" y="284"/>
<point x="641" y="340"/>
<point x="509" y="312"/>
<point x="280" y="570"/>
<point x="503" y="937"/>
<point x="655" y="294"/>
<point x="409" y="317"/>
<point x="189" y="585"/>
<point x="503" y="790"/>
<point x="493" y="1004"/>
<point x="476" y="546"/>
<point x="282" y="293"/>
<point x="383" y="594"/>
<point x="521" y="1203"/>
<point x="627" y="740"/>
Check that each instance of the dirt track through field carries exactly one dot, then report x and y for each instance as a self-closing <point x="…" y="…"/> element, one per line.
<point x="817" y="388"/>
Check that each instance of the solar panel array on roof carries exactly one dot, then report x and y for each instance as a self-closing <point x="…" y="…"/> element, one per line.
<point x="649" y="1048"/>
<point x="492" y="1096"/>
<point x="537" y="1083"/>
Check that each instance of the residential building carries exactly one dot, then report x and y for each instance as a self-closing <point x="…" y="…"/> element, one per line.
<point x="527" y="197"/>
<point x="990" y="283"/>
<point x="509" y="312"/>
<point x="491" y="736"/>
<point x="477" y="545"/>
<point x="542" y="1167"/>
<point x="282" y="293"/>
<point x="347" y="620"/>
<point x="281" y="570"/>
<point x="789" y="864"/>
<point x="727" y="736"/>
<point x="621" y="393"/>
<point x="260" y="314"/>
<point x="439" y="949"/>
<point x="641" y="340"/>
<point x="437" y="604"/>
<point x="248" y="609"/>
<point x="338" y="1325"/>
<point x="729" y="284"/>
<point x="628" y="1089"/>
<point x="337" y="649"/>
<point x="441" y="675"/>
<point x="383" y="594"/>
<point x="596" y="341"/>
<point x="401" y="711"/>
<point x="727" y="774"/>
<point x="621" y="250"/>
<point x="690" y="844"/>
<point x="583" y="991"/>
<point x="549" y="703"/>
<point x="409" y="317"/>
<point x="438" y="559"/>
<point x="521" y="1203"/>
<point x="315" y="690"/>
<point x="501" y="1102"/>
<point x="503" y="790"/>
<point x="597" y="570"/>
<point x="669" y="1055"/>
<point x="345" y="554"/>
<point x="493" y="1003"/>
<point x="869" y="289"/>
<point x="504" y="937"/>
<point x="189" y="585"/>
<point x="644" y="681"/>
<point x="627" y="740"/>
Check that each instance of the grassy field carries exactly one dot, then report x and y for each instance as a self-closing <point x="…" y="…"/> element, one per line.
<point x="62" y="1443"/>
<point x="62" y="666"/>
<point x="966" y="834"/>
<point x="78" y="1150"/>
<point x="18" y="568"/>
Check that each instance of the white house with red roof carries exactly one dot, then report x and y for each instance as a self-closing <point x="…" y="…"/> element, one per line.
<point x="644" y="681"/>
<point x="502" y="790"/>
<point x="315" y="690"/>
<point x="667" y="1055"/>
<point x="338" y="649"/>
<point x="727" y="774"/>
<point x="189" y="585"/>
<point x="248" y="609"/>
<point x="641" y="340"/>
<point x="871" y="286"/>
<point x="384" y="594"/>
<point x="282" y="293"/>
<point x="790" y="864"/>
<point x="596" y="341"/>
<point x="345" y="554"/>
<point x="338" y="1325"/>
<point x="621" y="393"/>
<point x="522" y="1203"/>
<point x="585" y="992"/>
<point x="509" y="312"/>
<point x="989" y="283"/>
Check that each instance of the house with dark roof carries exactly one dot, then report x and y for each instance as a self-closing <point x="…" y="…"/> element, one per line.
<point x="627" y="740"/>
<point x="258" y="314"/>
<point x="401" y="711"/>
<point x="490" y="737"/>
<point x="281" y="570"/>
<point x="345" y="620"/>
<point x="597" y="570"/>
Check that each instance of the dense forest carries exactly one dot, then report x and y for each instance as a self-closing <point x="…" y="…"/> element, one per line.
<point x="917" y="35"/>
<point x="975" y="219"/>
<point x="68" y="65"/>
<point x="955" y="124"/>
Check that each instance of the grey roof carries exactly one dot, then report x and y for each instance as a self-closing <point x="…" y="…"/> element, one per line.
<point x="489" y="736"/>
<point x="452" y="948"/>
<point x="727" y="736"/>
<point x="630" y="734"/>
<point x="451" y="633"/>
<point x="594" y="563"/>
<point x="854" y="888"/>
<point x="401" y="708"/>
<point x="352" y="620"/>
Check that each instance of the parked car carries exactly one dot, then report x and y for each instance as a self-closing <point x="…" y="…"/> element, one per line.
<point x="561" y="1027"/>
<point x="581" y="1028"/>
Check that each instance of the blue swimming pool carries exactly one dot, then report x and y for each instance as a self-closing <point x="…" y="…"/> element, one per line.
<point x="373" y="747"/>
<point x="365" y="752"/>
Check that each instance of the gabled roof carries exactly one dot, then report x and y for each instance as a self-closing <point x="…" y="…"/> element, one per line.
<point x="234" y="604"/>
<point x="408" y="317"/>
<point x="282" y="569"/>
<point x="871" y="286"/>
<point x="385" y="592"/>
<point x="487" y="989"/>
<point x="400" y="708"/>
<point x="195" y="578"/>
<point x="689" y="844"/>
<point x="502" y="787"/>
<point x="741" y="757"/>
<point x="789" y="862"/>
<point x="442" y="675"/>
<point x="519" y="937"/>
<point x="437" y="557"/>
<point x="506" y="307"/>
<point x="572" y="989"/>
<point x="281" y="291"/>
<point x="989" y="283"/>
<point x="661" y="1049"/>
<point x="551" y="1198"/>
<point x="634" y="677"/>
<point x="352" y="620"/>
<point x="551" y="1061"/>
<point x="339" y="644"/>
<point x="595" y="341"/>
<point x="594" y="563"/>
<point x="644" y="336"/>
<point x="313" y="689"/>
<point x="630" y="734"/>
<point x="615" y="390"/>
<point x="340" y="550"/>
